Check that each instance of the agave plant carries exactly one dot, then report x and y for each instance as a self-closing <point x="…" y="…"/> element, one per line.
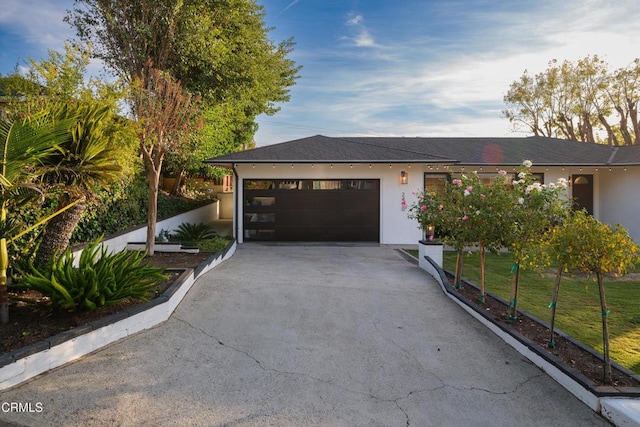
<point x="101" y="278"/>
<point x="192" y="233"/>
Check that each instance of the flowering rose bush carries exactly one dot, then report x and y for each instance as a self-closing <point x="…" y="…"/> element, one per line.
<point x="491" y="215"/>
<point x="427" y="210"/>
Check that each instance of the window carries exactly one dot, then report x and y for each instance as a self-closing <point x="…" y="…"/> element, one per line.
<point x="435" y="181"/>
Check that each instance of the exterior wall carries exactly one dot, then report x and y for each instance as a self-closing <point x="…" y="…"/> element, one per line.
<point x="395" y="227"/>
<point x="616" y="196"/>
<point x="619" y="201"/>
<point x="616" y="193"/>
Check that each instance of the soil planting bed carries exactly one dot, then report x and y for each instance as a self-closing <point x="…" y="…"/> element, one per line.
<point x="569" y="352"/>
<point x="32" y="320"/>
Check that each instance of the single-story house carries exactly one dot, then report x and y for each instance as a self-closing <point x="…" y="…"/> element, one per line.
<point x="350" y="188"/>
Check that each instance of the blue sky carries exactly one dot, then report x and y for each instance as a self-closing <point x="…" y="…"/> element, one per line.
<point x="393" y="68"/>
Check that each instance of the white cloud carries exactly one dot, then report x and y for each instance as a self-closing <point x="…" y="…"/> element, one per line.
<point x="39" y="22"/>
<point x="363" y="37"/>
<point x="356" y="20"/>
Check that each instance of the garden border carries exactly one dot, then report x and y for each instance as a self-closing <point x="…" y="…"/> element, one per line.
<point x="27" y="362"/>
<point x="619" y="405"/>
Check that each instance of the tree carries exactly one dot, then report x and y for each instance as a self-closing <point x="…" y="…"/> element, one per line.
<point x="218" y="49"/>
<point x="97" y="152"/>
<point x="579" y="101"/>
<point x="86" y="160"/>
<point x="535" y="208"/>
<point x="165" y="115"/>
<point x="593" y="247"/>
<point x="24" y="144"/>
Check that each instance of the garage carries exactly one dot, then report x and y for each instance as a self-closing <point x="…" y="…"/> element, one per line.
<point x="286" y="210"/>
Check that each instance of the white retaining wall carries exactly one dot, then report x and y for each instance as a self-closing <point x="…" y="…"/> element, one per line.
<point x="35" y="364"/>
<point x="204" y="214"/>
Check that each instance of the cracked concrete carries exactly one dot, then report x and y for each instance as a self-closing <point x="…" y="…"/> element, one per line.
<point x="306" y="336"/>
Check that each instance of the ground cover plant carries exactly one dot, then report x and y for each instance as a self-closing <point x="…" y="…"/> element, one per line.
<point x="578" y="312"/>
<point x="101" y="278"/>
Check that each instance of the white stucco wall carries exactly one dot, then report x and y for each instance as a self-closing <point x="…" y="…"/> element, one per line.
<point x="395" y="227"/>
<point x="620" y="199"/>
<point x="616" y="193"/>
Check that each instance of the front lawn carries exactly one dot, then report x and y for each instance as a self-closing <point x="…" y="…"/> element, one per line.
<point x="578" y="308"/>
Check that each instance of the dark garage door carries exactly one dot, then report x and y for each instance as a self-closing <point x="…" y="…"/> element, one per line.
<point x="312" y="210"/>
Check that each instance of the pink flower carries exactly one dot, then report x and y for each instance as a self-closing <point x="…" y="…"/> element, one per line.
<point x="464" y="218"/>
<point x="457" y="182"/>
<point x="502" y="172"/>
<point x="440" y="207"/>
<point x="423" y="208"/>
<point x="482" y="196"/>
<point x="469" y="189"/>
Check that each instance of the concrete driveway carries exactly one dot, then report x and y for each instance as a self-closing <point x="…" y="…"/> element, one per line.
<point x="306" y="336"/>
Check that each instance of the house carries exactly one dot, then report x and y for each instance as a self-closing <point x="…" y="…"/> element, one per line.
<point x="350" y="188"/>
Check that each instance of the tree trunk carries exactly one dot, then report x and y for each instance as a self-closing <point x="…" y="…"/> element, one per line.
<point x="481" y="297"/>
<point x="458" y="273"/>
<point x="4" y="297"/>
<point x="554" y="302"/>
<point x="153" y="180"/>
<point x="176" y="186"/>
<point x="59" y="230"/>
<point x="624" y="130"/>
<point x="605" y="330"/>
<point x="633" y="114"/>
<point x="611" y="136"/>
<point x="513" y="310"/>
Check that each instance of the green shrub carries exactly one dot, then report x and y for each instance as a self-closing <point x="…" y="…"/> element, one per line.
<point x="193" y="233"/>
<point x="101" y="278"/>
<point x="216" y="244"/>
<point x="124" y="206"/>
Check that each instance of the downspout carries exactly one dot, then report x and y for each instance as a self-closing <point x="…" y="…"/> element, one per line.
<point x="236" y="197"/>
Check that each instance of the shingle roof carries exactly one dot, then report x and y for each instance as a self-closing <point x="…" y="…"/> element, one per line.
<point x="467" y="151"/>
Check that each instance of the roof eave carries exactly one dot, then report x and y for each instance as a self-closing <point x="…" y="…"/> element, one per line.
<point x="342" y="161"/>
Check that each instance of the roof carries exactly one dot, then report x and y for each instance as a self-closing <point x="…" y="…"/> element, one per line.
<point x="541" y="151"/>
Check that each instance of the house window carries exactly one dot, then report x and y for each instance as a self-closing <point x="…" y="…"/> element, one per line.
<point x="487" y="178"/>
<point x="435" y="182"/>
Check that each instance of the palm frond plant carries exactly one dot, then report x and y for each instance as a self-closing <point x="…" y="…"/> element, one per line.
<point x="85" y="161"/>
<point x="25" y="145"/>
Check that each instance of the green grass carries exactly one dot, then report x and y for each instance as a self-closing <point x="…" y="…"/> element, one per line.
<point x="578" y="308"/>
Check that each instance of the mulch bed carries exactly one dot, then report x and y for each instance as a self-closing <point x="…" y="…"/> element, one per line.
<point x="571" y="354"/>
<point x="32" y="320"/>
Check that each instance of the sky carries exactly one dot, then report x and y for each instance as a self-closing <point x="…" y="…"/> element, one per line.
<point x="393" y="68"/>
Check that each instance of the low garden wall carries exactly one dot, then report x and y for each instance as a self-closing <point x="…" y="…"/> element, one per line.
<point x="118" y="242"/>
<point x="621" y="411"/>
<point x="25" y="363"/>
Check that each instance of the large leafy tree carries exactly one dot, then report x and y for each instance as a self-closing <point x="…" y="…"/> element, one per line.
<point x="165" y="116"/>
<point x="581" y="101"/>
<point x="218" y="49"/>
